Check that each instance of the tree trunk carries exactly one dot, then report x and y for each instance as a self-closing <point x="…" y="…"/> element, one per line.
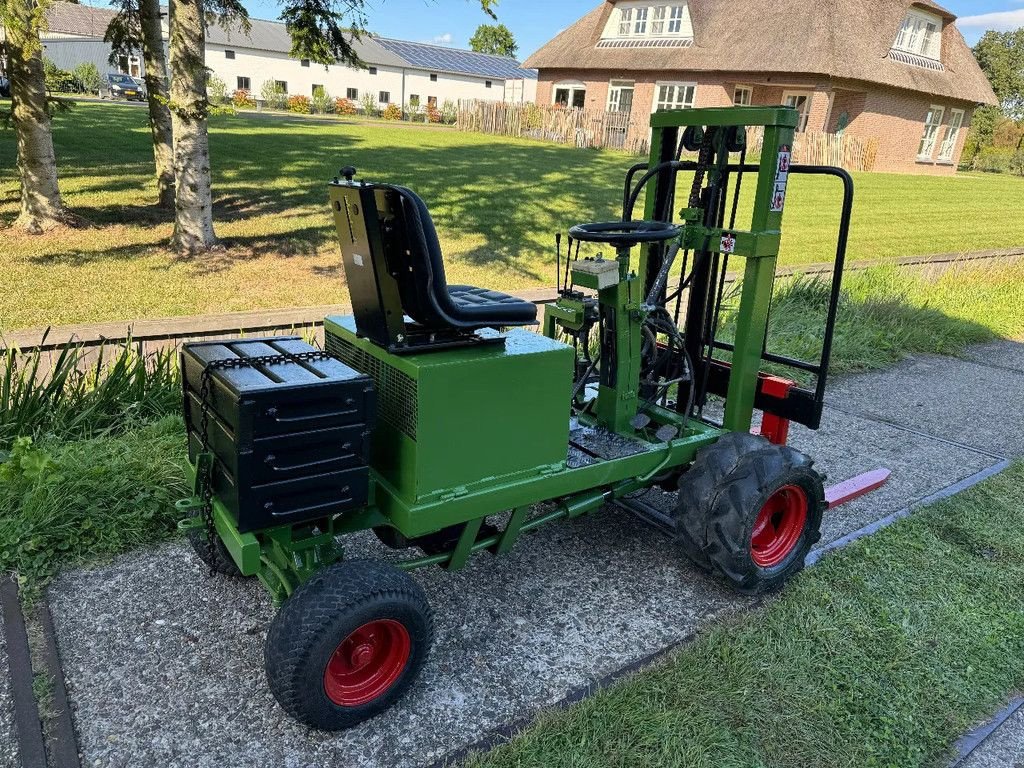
<point x="41" y="206"/>
<point x="158" y="96"/>
<point x="193" y="208"/>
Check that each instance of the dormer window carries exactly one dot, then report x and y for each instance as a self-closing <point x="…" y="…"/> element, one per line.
<point x="640" y="24"/>
<point x="920" y="35"/>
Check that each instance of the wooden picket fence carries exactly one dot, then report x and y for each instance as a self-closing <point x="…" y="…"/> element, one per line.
<point x="590" y="128"/>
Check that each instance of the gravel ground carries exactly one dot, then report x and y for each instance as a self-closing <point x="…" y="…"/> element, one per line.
<point x="569" y="605"/>
<point x="8" y="739"/>
<point x="1003" y="749"/>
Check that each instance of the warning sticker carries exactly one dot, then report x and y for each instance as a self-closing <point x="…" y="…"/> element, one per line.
<point x="728" y="243"/>
<point x="781" y="178"/>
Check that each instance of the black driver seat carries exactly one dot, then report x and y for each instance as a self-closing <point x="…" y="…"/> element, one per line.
<point x="426" y="296"/>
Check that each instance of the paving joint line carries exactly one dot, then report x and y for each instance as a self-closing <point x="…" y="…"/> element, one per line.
<point x="970" y="742"/>
<point x="64" y="739"/>
<point x="28" y="726"/>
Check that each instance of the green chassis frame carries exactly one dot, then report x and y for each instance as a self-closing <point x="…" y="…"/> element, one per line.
<point x="285" y="557"/>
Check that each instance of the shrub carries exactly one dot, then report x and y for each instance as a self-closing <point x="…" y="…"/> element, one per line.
<point x="322" y="102"/>
<point x="88" y="76"/>
<point x="345" y="107"/>
<point x="994" y="160"/>
<point x="392" y="112"/>
<point x="299" y="105"/>
<point x="433" y="113"/>
<point x="369" y="105"/>
<point x="273" y="96"/>
<point x="1017" y="162"/>
<point x="242" y="99"/>
<point x="216" y="90"/>
<point x="58" y="80"/>
<point x="449" y="112"/>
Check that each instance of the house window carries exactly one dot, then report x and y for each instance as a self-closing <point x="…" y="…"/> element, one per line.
<point x="384" y="97"/>
<point x="432" y="101"/>
<point x="244" y="84"/>
<point x="956" y="122"/>
<point x="229" y="54"/>
<point x="920" y="34"/>
<point x="414" y="99"/>
<point x="620" y="96"/>
<point x="488" y="84"/>
<point x="635" y="18"/>
<point x="304" y="62"/>
<point x="318" y="90"/>
<point x="433" y="78"/>
<point x="281" y="86"/>
<point x="373" y="70"/>
<point x="674" y="96"/>
<point x="570" y="94"/>
<point x="931" y="132"/>
<point x="801" y="102"/>
<point x="352" y="93"/>
<point x="742" y="96"/>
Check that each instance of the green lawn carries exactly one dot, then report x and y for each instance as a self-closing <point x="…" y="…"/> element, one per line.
<point x="497" y="203"/>
<point x="881" y="656"/>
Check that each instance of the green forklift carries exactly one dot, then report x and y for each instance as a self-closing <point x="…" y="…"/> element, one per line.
<point x="450" y="420"/>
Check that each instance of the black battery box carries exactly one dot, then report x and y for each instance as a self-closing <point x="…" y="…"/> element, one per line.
<point x="288" y="428"/>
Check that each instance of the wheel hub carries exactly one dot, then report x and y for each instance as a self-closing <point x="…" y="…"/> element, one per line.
<point x="779" y="526"/>
<point x="367" y="663"/>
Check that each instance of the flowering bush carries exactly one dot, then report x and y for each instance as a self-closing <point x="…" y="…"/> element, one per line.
<point x="299" y="104"/>
<point x="433" y="114"/>
<point x="242" y="99"/>
<point x="392" y="112"/>
<point x="345" y="107"/>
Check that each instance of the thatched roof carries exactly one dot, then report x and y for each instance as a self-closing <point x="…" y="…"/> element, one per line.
<point x="848" y="39"/>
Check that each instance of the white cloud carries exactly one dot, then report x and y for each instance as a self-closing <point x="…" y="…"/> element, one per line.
<point x="445" y="39"/>
<point x="998" y="20"/>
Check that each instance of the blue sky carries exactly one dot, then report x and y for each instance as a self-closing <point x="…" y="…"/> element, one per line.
<point x="534" y="22"/>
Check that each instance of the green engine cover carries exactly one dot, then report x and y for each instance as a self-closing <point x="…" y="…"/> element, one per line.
<point x="456" y="421"/>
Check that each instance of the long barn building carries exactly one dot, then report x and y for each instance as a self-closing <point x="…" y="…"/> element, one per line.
<point x="393" y="71"/>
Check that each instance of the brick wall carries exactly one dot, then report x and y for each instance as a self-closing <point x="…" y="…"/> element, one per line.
<point x="895" y="117"/>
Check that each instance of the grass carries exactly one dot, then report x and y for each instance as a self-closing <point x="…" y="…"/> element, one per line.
<point x="497" y="202"/>
<point x="882" y="655"/>
<point x="63" y="503"/>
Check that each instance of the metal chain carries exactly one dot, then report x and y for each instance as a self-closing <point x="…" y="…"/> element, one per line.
<point x="205" y="388"/>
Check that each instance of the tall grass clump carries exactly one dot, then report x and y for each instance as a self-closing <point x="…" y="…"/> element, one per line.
<point x="67" y="395"/>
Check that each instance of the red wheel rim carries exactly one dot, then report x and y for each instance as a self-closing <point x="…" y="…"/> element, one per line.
<point x="779" y="526"/>
<point x="367" y="663"/>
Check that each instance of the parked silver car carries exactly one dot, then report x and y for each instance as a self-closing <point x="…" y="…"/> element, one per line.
<point x="117" y="86"/>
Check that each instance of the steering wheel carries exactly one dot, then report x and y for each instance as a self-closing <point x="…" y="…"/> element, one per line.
<point x="625" y="234"/>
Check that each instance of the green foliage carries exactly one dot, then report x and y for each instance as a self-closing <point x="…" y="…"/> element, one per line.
<point x="345" y="107"/>
<point x="1001" y="56"/>
<point x="273" y="95"/>
<point x="881" y="655"/>
<point x="300" y="105"/>
<point x="993" y="160"/>
<point x="64" y="503"/>
<point x="64" y="395"/>
<point x="322" y="102"/>
<point x="88" y="76"/>
<point x="368" y="104"/>
<point x="495" y="39"/>
<point x="392" y="112"/>
<point x="58" y="80"/>
<point x="449" y="112"/>
<point x="216" y="90"/>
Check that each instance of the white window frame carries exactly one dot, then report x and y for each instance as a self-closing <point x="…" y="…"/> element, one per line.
<point x="572" y="86"/>
<point x="805" y="113"/>
<point x="659" y="104"/>
<point x="932" y="123"/>
<point x="648" y="20"/>
<point x="949" y="141"/>
<point x="743" y="102"/>
<point x="920" y="34"/>
<point x="615" y="89"/>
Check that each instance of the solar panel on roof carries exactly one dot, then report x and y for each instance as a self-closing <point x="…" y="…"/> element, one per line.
<point x="425" y="56"/>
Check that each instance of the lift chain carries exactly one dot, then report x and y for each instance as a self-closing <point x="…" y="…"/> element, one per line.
<point x="205" y="388"/>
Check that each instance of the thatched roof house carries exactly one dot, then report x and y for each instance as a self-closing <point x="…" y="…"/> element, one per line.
<point x="896" y="70"/>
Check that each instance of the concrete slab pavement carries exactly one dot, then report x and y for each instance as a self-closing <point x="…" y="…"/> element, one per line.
<point x="570" y="605"/>
<point x="1003" y="749"/>
<point x="8" y="737"/>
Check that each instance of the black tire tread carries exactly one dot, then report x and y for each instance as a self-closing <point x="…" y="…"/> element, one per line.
<point x="211" y="550"/>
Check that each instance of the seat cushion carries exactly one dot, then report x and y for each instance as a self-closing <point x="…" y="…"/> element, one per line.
<point x="492" y="306"/>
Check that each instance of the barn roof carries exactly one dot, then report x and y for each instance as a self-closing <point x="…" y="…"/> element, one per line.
<point x="848" y="39"/>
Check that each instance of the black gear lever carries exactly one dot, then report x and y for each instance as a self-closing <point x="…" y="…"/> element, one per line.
<point x="349" y="171"/>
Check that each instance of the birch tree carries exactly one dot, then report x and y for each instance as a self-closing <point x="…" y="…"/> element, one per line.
<point x="137" y="27"/>
<point x="41" y="205"/>
<point x="321" y="31"/>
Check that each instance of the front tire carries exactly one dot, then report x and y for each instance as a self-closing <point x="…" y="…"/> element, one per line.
<point x="211" y="550"/>
<point x="348" y="644"/>
<point x="750" y="511"/>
